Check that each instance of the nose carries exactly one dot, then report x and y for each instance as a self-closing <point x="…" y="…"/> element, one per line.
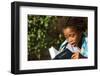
<point x="70" y="40"/>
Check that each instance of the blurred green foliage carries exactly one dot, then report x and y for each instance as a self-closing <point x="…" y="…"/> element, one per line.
<point x="43" y="32"/>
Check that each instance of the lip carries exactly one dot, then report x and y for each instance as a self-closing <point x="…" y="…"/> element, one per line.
<point x="73" y="44"/>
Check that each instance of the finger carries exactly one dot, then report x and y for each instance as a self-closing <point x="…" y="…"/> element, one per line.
<point x="73" y="56"/>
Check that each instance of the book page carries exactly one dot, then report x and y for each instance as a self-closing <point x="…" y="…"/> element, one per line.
<point x="53" y="52"/>
<point x="72" y="48"/>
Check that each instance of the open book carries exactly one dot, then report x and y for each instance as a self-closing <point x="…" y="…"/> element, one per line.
<point x="61" y="53"/>
<point x="53" y="52"/>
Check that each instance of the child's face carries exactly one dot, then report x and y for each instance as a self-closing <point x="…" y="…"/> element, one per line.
<point x="72" y="36"/>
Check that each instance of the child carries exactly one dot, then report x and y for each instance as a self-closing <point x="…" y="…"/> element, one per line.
<point x="76" y="40"/>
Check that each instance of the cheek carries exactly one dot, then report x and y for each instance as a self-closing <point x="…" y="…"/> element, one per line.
<point x="65" y="37"/>
<point x="76" y="38"/>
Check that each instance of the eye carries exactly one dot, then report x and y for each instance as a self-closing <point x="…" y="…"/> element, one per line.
<point x="71" y="35"/>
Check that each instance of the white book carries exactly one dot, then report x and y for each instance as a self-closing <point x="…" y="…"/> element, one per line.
<point x="53" y="52"/>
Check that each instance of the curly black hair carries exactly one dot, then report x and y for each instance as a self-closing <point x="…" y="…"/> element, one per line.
<point x="77" y="23"/>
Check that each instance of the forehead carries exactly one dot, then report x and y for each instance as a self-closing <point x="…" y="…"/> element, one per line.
<point x="69" y="30"/>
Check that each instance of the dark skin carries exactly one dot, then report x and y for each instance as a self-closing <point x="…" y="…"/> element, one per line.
<point x="73" y="37"/>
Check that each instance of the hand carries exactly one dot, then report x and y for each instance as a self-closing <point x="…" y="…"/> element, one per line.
<point x="75" y="55"/>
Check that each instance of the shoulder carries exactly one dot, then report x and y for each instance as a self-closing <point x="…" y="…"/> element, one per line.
<point x="64" y="43"/>
<point x="85" y="38"/>
<point x="84" y="48"/>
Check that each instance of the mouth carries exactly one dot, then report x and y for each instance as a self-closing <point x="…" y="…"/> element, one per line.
<point x="73" y="44"/>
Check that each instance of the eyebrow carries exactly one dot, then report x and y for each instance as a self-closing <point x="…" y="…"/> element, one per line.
<point x="69" y="34"/>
